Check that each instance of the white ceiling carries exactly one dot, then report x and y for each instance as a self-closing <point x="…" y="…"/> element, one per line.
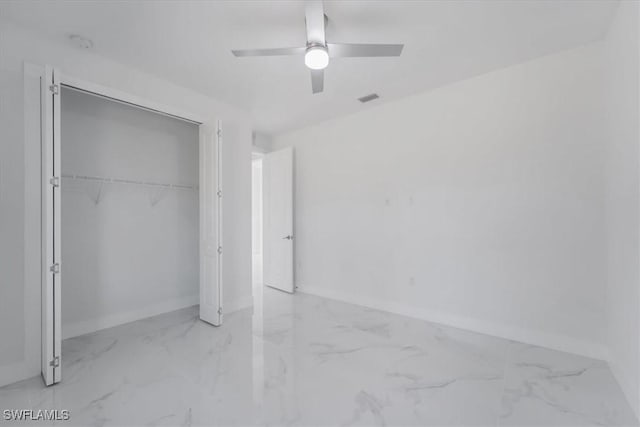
<point x="189" y="43"/>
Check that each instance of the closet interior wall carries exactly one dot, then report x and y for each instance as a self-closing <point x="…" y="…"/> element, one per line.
<point x="129" y="213"/>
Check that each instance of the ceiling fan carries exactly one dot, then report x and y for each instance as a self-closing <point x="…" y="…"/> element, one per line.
<point x="317" y="51"/>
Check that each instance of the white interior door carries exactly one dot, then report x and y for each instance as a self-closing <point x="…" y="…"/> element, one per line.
<point x="211" y="224"/>
<point x="51" y="235"/>
<point x="277" y="196"/>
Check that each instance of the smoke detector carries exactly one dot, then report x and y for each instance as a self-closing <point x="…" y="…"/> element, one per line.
<point x="81" y="42"/>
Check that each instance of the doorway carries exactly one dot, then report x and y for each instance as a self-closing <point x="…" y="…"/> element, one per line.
<point x="129" y="213"/>
<point x="273" y="214"/>
<point x="202" y="221"/>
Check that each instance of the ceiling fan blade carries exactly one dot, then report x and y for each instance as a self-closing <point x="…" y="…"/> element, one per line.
<point x="317" y="81"/>
<point x="281" y="51"/>
<point x="314" y="15"/>
<point x="338" y="50"/>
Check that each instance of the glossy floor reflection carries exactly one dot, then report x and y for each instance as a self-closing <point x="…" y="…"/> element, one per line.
<point x="305" y="360"/>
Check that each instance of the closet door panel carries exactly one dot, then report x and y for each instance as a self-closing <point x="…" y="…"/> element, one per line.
<point x="210" y="225"/>
<point x="51" y="224"/>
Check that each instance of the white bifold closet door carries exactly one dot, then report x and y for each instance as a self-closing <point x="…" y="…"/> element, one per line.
<point x="51" y="230"/>
<point x="277" y="193"/>
<point x="211" y="224"/>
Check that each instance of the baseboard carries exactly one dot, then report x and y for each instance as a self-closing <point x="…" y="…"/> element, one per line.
<point x="542" y="339"/>
<point x="75" y="329"/>
<point x="15" y="372"/>
<point x="627" y="387"/>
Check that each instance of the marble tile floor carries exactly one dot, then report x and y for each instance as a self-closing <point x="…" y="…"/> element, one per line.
<point x="304" y="360"/>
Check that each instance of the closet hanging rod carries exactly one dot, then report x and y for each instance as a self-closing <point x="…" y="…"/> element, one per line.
<point x="132" y="104"/>
<point x="102" y="179"/>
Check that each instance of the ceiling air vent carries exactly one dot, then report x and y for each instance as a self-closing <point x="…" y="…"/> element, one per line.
<point x="368" y="98"/>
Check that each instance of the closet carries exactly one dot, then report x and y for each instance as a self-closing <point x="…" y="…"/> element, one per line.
<point x="130" y="229"/>
<point x="131" y="210"/>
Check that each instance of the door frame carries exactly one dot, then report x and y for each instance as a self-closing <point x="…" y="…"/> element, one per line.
<point x="210" y="132"/>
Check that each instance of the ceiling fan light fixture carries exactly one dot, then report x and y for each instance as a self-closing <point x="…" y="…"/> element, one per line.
<point x="316" y="50"/>
<point x="316" y="58"/>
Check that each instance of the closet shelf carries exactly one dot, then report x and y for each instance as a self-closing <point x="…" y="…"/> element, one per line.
<point x="106" y="180"/>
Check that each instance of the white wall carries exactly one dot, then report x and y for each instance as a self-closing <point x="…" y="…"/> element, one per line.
<point x="261" y="142"/>
<point x="256" y="220"/>
<point x="19" y="183"/>
<point x="128" y="251"/>
<point x="479" y="204"/>
<point x="256" y="206"/>
<point x="622" y="72"/>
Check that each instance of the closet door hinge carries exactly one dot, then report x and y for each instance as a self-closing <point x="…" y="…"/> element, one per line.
<point x="55" y="362"/>
<point x="54" y="89"/>
<point x="219" y="193"/>
<point x="55" y="268"/>
<point x="220" y="311"/>
<point x="55" y="182"/>
<point x="220" y="249"/>
<point x="219" y="133"/>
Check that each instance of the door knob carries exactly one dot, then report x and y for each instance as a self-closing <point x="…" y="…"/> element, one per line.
<point x="288" y="237"/>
